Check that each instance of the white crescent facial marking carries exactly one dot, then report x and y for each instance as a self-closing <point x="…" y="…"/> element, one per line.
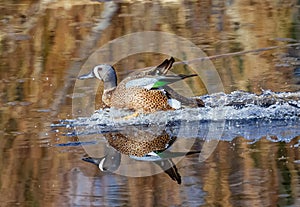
<point x="101" y="164"/>
<point x="96" y="73"/>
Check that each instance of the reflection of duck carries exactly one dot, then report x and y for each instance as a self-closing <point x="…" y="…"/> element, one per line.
<point x="140" y="145"/>
<point x="141" y="91"/>
<point x="111" y="161"/>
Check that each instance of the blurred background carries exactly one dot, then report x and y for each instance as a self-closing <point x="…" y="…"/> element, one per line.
<point x="43" y="45"/>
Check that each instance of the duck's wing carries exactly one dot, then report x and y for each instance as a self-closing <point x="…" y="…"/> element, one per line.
<point x="156" y="82"/>
<point x="163" y="68"/>
<point x="146" y="82"/>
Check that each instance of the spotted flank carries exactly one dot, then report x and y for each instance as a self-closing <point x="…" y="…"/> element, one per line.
<point x="134" y="146"/>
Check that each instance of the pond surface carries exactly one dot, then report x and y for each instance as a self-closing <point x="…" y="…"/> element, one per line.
<point x="242" y="149"/>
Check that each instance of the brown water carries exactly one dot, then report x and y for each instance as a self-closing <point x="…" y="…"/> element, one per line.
<point x="43" y="47"/>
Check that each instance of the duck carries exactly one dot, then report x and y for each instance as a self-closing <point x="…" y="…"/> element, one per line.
<point x="141" y="145"/>
<point x="112" y="160"/>
<point x="143" y="92"/>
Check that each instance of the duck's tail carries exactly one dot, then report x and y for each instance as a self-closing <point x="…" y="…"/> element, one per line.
<point x="164" y="67"/>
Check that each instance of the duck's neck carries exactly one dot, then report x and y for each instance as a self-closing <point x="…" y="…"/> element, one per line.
<point x="107" y="94"/>
<point x="110" y="80"/>
<point x="110" y="84"/>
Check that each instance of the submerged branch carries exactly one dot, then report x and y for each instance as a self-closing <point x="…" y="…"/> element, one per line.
<point x="186" y="62"/>
<point x="236" y="53"/>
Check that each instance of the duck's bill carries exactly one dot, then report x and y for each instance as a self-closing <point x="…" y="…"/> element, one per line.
<point x="92" y="160"/>
<point x="86" y="76"/>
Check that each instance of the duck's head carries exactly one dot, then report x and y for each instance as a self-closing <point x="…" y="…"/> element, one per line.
<point x="103" y="72"/>
<point x="108" y="163"/>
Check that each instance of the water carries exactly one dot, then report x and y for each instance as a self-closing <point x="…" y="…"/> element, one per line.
<point x="240" y="111"/>
<point x="248" y="133"/>
<point x="240" y="118"/>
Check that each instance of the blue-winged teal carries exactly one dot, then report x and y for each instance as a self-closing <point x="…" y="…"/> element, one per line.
<point x="149" y="146"/>
<point x="111" y="162"/>
<point x="140" y="91"/>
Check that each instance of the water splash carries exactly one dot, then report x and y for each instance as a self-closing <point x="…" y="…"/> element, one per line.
<point x="245" y="114"/>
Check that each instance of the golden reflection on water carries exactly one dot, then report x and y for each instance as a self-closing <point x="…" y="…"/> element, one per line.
<point x="44" y="44"/>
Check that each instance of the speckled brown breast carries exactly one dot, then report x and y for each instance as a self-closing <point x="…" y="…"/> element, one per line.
<point x="139" y="99"/>
<point x="137" y="146"/>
